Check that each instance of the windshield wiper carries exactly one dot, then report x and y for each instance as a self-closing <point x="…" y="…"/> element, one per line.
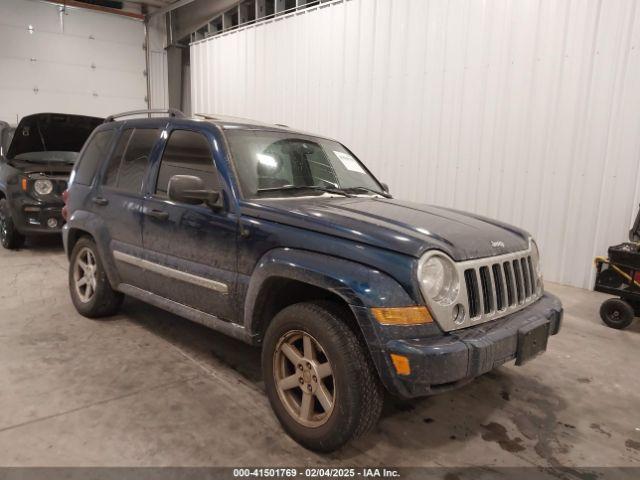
<point x="285" y="188"/>
<point x="370" y="190"/>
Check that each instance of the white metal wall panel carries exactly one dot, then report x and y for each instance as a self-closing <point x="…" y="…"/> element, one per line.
<point x="522" y="110"/>
<point x="158" y="63"/>
<point x="73" y="60"/>
<point x="159" y="79"/>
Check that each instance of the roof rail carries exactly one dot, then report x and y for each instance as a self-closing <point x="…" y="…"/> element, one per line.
<point x="173" y="112"/>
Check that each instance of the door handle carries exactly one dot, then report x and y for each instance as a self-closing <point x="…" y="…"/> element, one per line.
<point x="158" y="214"/>
<point x="100" y="201"/>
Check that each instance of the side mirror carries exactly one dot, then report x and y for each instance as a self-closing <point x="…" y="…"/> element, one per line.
<point x="385" y="187"/>
<point x="190" y="189"/>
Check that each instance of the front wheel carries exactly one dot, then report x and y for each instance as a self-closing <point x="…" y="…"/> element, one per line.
<point x="616" y="313"/>
<point x="319" y="379"/>
<point x="9" y="235"/>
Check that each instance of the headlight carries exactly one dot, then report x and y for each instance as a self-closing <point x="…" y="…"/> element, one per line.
<point x="438" y="279"/>
<point x="535" y="258"/>
<point x="43" y="187"/>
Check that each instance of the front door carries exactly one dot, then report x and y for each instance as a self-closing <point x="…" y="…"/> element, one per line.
<point x="190" y="250"/>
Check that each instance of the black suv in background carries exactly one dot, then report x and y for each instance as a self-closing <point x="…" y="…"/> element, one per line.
<point x="286" y="240"/>
<point x="34" y="171"/>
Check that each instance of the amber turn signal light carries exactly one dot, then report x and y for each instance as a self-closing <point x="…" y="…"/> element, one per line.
<point x="402" y="315"/>
<point x="401" y="363"/>
<point x="23" y="184"/>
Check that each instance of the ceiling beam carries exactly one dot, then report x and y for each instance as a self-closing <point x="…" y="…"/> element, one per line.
<point x="151" y="3"/>
<point x="97" y="8"/>
<point x="171" y="6"/>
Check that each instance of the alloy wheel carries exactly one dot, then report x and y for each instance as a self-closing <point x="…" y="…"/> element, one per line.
<point x="304" y="378"/>
<point x="84" y="275"/>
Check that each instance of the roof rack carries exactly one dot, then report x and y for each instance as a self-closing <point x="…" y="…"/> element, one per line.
<point x="206" y="116"/>
<point x="173" y="112"/>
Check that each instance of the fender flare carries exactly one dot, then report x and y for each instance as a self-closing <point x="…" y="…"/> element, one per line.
<point x="357" y="284"/>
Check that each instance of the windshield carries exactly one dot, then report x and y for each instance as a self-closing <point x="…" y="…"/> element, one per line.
<point x="281" y="163"/>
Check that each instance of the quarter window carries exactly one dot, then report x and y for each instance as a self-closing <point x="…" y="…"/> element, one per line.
<point x="130" y="159"/>
<point x="186" y="153"/>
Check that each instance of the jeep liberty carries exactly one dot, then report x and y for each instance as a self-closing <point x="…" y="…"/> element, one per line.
<point x="286" y="240"/>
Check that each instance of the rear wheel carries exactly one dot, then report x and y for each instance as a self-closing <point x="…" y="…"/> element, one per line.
<point x="89" y="286"/>
<point x="319" y="380"/>
<point x="616" y="313"/>
<point x="9" y="235"/>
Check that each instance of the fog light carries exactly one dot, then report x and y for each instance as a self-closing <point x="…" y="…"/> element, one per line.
<point x="458" y="314"/>
<point x="52" y="223"/>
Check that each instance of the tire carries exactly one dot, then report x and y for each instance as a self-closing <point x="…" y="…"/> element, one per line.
<point x="10" y="238"/>
<point x="93" y="298"/>
<point x="616" y="313"/>
<point x="352" y="385"/>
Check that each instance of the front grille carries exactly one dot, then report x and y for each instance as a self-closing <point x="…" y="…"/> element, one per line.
<point x="495" y="287"/>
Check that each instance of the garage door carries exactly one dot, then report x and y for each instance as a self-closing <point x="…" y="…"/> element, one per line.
<point x="68" y="60"/>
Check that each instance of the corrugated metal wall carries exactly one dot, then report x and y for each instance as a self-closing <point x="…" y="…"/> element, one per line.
<point x="159" y="79"/>
<point x="523" y="110"/>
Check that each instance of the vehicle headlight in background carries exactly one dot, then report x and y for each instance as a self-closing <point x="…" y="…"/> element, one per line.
<point x="43" y="187"/>
<point x="438" y="279"/>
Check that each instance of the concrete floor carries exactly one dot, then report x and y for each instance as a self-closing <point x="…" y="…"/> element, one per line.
<point x="148" y="388"/>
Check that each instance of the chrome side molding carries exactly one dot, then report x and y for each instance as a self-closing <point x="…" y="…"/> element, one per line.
<point x="171" y="272"/>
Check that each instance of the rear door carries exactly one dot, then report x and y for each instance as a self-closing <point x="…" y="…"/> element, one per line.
<point x="190" y="249"/>
<point x="118" y="200"/>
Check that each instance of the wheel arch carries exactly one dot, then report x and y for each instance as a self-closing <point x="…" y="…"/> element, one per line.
<point x="286" y="276"/>
<point x="82" y="223"/>
<point x="73" y="236"/>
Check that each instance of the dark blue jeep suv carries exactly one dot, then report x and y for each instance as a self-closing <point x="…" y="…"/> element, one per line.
<point x="286" y="240"/>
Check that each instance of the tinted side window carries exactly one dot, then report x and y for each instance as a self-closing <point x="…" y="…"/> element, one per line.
<point x="96" y="150"/>
<point x="130" y="159"/>
<point x="186" y="153"/>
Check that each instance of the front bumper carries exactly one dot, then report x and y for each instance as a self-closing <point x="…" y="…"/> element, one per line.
<point x="450" y="360"/>
<point x="32" y="217"/>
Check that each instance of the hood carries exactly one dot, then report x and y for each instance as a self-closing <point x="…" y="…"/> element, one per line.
<point x="406" y="227"/>
<point x="51" y="132"/>
<point x="42" y="167"/>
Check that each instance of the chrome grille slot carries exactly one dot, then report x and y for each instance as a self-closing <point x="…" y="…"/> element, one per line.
<point x="499" y="284"/>
<point x="517" y="273"/>
<point x="471" y="281"/>
<point x="487" y="290"/>
<point x="526" y="277"/>
<point x="508" y="273"/>
<point x="532" y="276"/>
